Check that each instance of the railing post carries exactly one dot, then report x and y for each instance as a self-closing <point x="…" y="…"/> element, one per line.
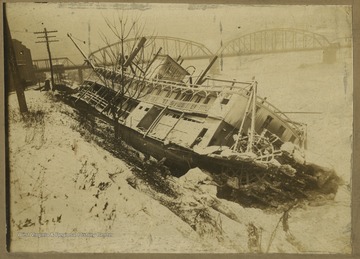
<point x="81" y="76"/>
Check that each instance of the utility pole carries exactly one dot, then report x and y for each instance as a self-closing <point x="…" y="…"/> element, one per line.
<point x="47" y="41"/>
<point x="89" y="36"/>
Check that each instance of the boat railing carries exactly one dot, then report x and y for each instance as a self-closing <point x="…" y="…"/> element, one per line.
<point x="177" y="104"/>
<point x="275" y="110"/>
<point x="232" y="87"/>
<point x="94" y="99"/>
<point x="236" y="87"/>
<point x="229" y="84"/>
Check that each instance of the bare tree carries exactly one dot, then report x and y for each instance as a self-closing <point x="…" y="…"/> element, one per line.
<point x="124" y="67"/>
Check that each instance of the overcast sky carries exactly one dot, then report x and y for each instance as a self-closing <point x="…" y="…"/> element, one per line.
<point x="206" y="24"/>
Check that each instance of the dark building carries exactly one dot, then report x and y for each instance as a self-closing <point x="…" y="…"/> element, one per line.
<point x="24" y="62"/>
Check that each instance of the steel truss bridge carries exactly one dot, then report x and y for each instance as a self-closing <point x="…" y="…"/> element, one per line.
<point x="274" y="41"/>
<point x="43" y="65"/>
<point x="260" y="42"/>
<point x="174" y="47"/>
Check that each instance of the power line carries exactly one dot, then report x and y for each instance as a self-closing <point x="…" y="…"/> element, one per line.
<point x="47" y="41"/>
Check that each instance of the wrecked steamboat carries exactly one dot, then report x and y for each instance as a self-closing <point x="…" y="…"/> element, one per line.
<point x="221" y="126"/>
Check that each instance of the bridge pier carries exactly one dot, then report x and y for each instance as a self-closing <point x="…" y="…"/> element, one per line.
<point x="81" y="76"/>
<point x="329" y="54"/>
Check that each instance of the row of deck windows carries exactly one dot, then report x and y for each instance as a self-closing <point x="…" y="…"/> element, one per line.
<point x="177" y="116"/>
<point x="179" y="95"/>
<point x="186" y="97"/>
<point x="279" y="132"/>
<point x="146" y="109"/>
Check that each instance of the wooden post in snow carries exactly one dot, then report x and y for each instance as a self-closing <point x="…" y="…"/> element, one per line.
<point x="13" y="76"/>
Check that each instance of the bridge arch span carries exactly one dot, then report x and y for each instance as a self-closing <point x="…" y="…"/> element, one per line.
<point x="171" y="46"/>
<point x="274" y="40"/>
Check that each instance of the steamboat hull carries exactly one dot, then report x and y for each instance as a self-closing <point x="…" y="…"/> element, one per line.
<point x="178" y="158"/>
<point x="230" y="174"/>
<point x="245" y="181"/>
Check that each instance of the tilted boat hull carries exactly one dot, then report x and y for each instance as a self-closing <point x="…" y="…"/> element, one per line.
<point x="240" y="180"/>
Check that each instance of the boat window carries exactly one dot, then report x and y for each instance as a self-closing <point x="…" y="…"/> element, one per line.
<point x="158" y="91"/>
<point x="198" y="99"/>
<point x="142" y="88"/>
<point x="177" y="95"/>
<point x="187" y="97"/>
<point x="202" y="133"/>
<point x="292" y="139"/>
<point x="149" y="90"/>
<point x="146" y="109"/>
<point x="267" y="122"/>
<point x="199" y="137"/>
<point x="225" y="101"/>
<point x="281" y="131"/>
<point x="140" y="107"/>
<point x="207" y="100"/>
<point x="126" y="115"/>
<point x="168" y="94"/>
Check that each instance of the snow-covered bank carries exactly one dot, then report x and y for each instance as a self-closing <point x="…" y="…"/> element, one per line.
<point x="62" y="182"/>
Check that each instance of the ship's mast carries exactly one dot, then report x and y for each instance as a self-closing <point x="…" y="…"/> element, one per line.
<point x="201" y="79"/>
<point x="252" y="100"/>
<point x="82" y="53"/>
<point x="242" y="122"/>
<point x="252" y="129"/>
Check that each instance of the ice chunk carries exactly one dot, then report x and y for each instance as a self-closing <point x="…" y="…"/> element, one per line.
<point x="195" y="175"/>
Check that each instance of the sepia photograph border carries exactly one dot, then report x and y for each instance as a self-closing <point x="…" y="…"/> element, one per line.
<point x="355" y="179"/>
